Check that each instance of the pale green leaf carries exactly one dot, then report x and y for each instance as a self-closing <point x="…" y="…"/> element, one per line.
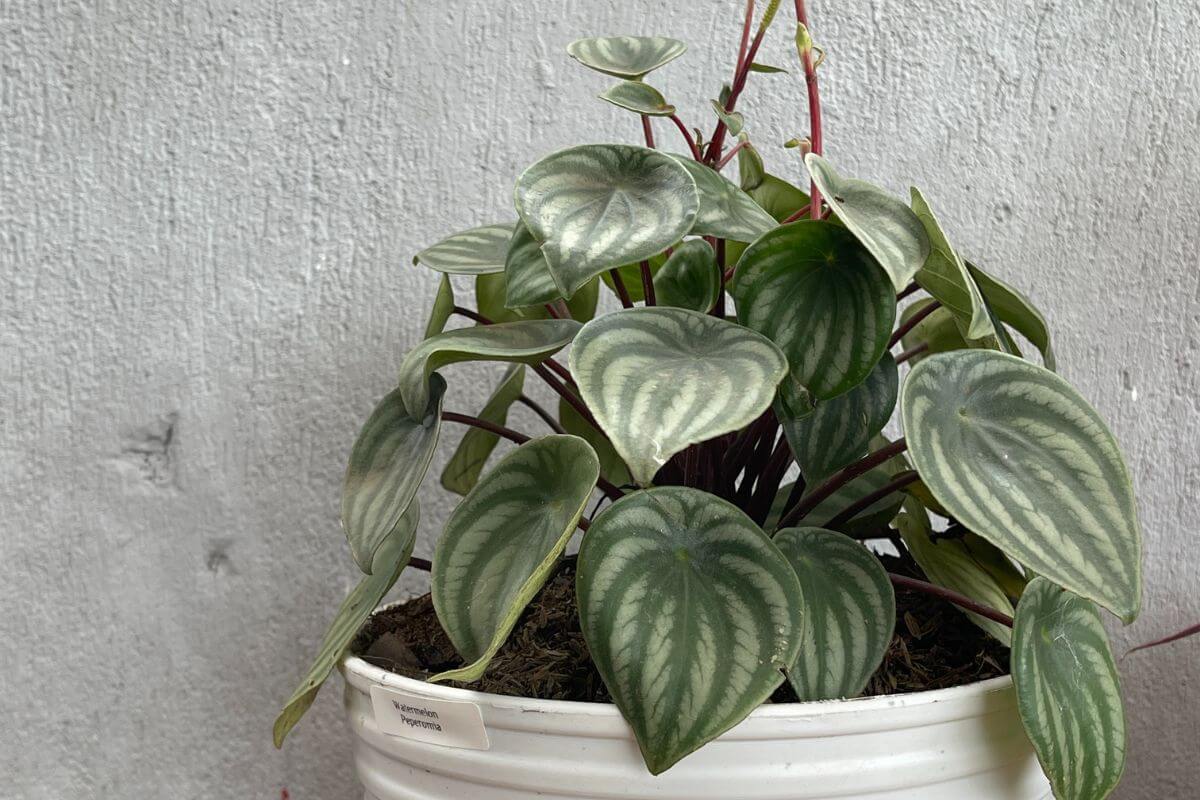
<point x="443" y="306"/>
<point x="766" y="69"/>
<point x="946" y="278"/>
<point x="502" y="541"/>
<point x="850" y="608"/>
<point x="390" y="560"/>
<point x="939" y="331"/>
<point x="733" y="120"/>
<point x="463" y="469"/>
<point x="474" y="252"/>
<point x="1068" y="692"/>
<point x="690" y="278"/>
<point x="625" y="56"/>
<point x="612" y="468"/>
<point x="491" y="292"/>
<point x="599" y="206"/>
<point x="387" y="464"/>
<point x="949" y="563"/>
<point x="886" y="226"/>
<point x="751" y="171"/>
<point x="1014" y="453"/>
<point x="812" y="289"/>
<point x="1015" y="310"/>
<point x="726" y="212"/>
<point x="657" y="571"/>
<point x="774" y="195"/>
<point x="659" y="379"/>
<point x="639" y="98"/>
<point x="527" y="342"/>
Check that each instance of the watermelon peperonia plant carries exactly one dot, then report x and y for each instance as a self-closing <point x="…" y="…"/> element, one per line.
<point x="754" y="343"/>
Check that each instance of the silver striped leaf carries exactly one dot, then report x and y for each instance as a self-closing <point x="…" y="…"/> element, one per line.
<point x="690" y="278"/>
<point x="1017" y="311"/>
<point x="1068" y="692"/>
<point x="689" y="612"/>
<point x="389" y="562"/>
<point x="599" y="206"/>
<point x="527" y="278"/>
<point x="950" y="563"/>
<point x="1014" y="453"/>
<point x="839" y="430"/>
<point x="465" y="465"/>
<point x="474" y="252"/>
<point x="659" y="379"/>
<point x="502" y="541"/>
<point x="612" y="468"/>
<point x="726" y="212"/>
<point x="886" y="227"/>
<point x="850" y="613"/>
<point x="387" y="464"/>
<point x="443" y="306"/>
<point x="812" y="289"/>
<point x="946" y="278"/>
<point x="638" y="97"/>
<point x="628" y="57"/>
<point x="872" y="519"/>
<point x="527" y="342"/>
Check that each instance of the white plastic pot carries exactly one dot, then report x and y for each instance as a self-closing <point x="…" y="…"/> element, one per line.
<point x="955" y="744"/>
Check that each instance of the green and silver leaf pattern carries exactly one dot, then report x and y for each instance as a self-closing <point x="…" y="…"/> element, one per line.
<point x="463" y="469"/>
<point x="390" y="561"/>
<point x="812" y="289"/>
<point x="1068" y="692"/>
<point x="599" y="206"/>
<point x="850" y="609"/>
<point x="527" y="342"/>
<point x="443" y="306"/>
<point x="474" y="252"/>
<point x="949" y="563"/>
<point x="839" y="430"/>
<point x="690" y="278"/>
<point x="659" y="379"/>
<point x="886" y="227"/>
<point x="1013" y="452"/>
<point x="946" y="278"/>
<point x="639" y="98"/>
<point x="726" y="212"/>
<point x="628" y="57"/>
<point x="527" y="278"/>
<point x="502" y="541"/>
<point x="387" y="464"/>
<point x="689" y="612"/>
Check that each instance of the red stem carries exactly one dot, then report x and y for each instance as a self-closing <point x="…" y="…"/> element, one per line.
<point x="910" y="289"/>
<point x="687" y="135"/>
<point x="913" y="322"/>
<point x="840" y="479"/>
<point x="546" y="416"/>
<point x="619" y="285"/>
<point x="866" y="501"/>
<point x="814" y="107"/>
<point x="803" y="212"/>
<point x="647" y="132"/>
<point x="952" y="596"/>
<point x="915" y="350"/>
<point x="648" y="284"/>
<point x="1174" y="637"/>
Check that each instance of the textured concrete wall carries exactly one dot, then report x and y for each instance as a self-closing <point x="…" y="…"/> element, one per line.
<point x="206" y="215"/>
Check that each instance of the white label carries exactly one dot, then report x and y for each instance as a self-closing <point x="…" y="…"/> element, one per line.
<point x="446" y="722"/>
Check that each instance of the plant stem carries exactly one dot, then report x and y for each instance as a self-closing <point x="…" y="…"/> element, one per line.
<point x="619" y="285"/>
<point x="564" y="392"/>
<point x="471" y="314"/>
<point x="866" y="501"/>
<point x="840" y="479"/>
<point x="423" y="564"/>
<point x="915" y="350"/>
<point x="733" y="151"/>
<point x="735" y="90"/>
<point x="913" y="322"/>
<point x="803" y="212"/>
<point x="910" y="289"/>
<point x="960" y="600"/>
<point x="687" y="135"/>
<point x="1174" y="637"/>
<point x="719" y="309"/>
<point x="814" y="106"/>
<point x="534" y="406"/>
<point x="552" y="311"/>
<point x="648" y="284"/>
<point x="769" y="480"/>
<point x="647" y="132"/>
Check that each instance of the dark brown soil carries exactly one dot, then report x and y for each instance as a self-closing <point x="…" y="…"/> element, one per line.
<point x="935" y="647"/>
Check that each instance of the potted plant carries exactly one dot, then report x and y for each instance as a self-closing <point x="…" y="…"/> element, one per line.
<point x="763" y="332"/>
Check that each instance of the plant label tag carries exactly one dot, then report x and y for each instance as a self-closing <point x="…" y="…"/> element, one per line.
<point x="450" y="723"/>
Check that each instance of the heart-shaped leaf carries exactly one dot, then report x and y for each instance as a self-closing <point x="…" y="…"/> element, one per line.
<point x="639" y="98"/>
<point x="465" y="465"/>
<point x="839" y="430"/>
<point x="1068" y="692"/>
<point x="1019" y="457"/>
<point x="659" y="379"/>
<point x="502" y="541"/>
<point x="812" y="289"/>
<point x="625" y="56"/>
<point x="726" y="212"/>
<point x="612" y="468"/>
<point x="946" y="278"/>
<point x="387" y="464"/>
<point x="1014" y="309"/>
<point x="603" y="205"/>
<point x="885" y="226"/>
<point x="527" y="279"/>
<point x="528" y="342"/>
<point x="689" y="612"/>
<point x="690" y="278"/>
<point x="949" y="563"/>
<point x="871" y="519"/>
<point x="474" y="252"/>
<point x="390" y="560"/>
<point x="443" y="306"/>
<point x="850" y="608"/>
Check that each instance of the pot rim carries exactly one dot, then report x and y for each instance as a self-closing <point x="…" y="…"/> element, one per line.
<point x="362" y="674"/>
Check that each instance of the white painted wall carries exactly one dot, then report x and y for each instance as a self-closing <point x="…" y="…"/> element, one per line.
<point x="207" y="211"/>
